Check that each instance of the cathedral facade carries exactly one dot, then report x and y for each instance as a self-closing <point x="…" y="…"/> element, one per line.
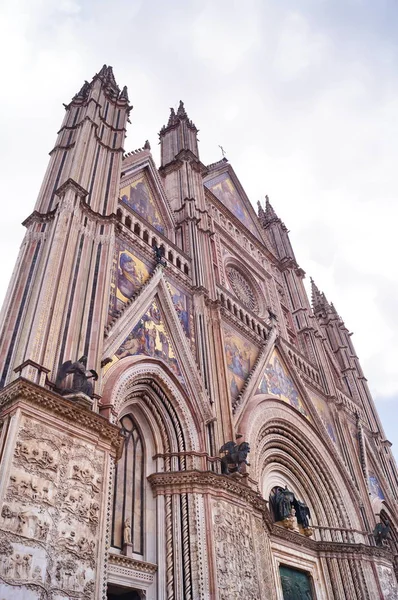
<point x="178" y="420"/>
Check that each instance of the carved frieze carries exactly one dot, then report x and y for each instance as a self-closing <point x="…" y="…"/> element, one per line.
<point x="388" y="582"/>
<point x="50" y="515"/>
<point x="235" y="553"/>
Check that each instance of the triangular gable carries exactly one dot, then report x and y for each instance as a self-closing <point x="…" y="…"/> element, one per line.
<point x="129" y="274"/>
<point x="226" y="187"/>
<point x="276" y="381"/>
<point x="138" y="196"/>
<point x="155" y="295"/>
<point x="324" y="413"/>
<point x="141" y="189"/>
<point x="150" y="337"/>
<point x="183" y="306"/>
<point x="240" y="355"/>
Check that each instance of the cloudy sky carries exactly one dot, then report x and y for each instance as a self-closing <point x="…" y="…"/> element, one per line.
<point x="302" y="94"/>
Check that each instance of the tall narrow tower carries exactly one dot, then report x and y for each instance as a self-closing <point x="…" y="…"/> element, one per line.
<point x="54" y="309"/>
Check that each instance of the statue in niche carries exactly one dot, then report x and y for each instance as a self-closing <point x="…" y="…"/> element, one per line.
<point x="80" y="381"/>
<point x="283" y="503"/>
<point x="302" y="513"/>
<point x="235" y="456"/>
<point x="127" y="532"/>
<point x="381" y="532"/>
<point x="291" y="511"/>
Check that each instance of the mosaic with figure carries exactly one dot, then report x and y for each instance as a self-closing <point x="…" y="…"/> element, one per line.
<point x="277" y="382"/>
<point x="138" y="196"/>
<point x="324" y="413"/>
<point x="241" y="356"/>
<point x="149" y="337"/>
<point x="375" y="487"/>
<point x="129" y="273"/>
<point x="182" y="305"/>
<point x="223" y="188"/>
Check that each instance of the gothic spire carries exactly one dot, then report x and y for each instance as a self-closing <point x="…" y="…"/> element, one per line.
<point x="270" y="214"/>
<point x="172" y="118"/>
<point x="177" y="118"/>
<point x="319" y="300"/>
<point x="181" y="112"/>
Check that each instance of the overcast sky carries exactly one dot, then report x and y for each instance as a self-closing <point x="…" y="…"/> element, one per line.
<point x="302" y="95"/>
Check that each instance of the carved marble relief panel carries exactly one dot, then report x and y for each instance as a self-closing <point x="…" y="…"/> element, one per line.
<point x="235" y="553"/>
<point x="50" y="516"/>
<point x="388" y="582"/>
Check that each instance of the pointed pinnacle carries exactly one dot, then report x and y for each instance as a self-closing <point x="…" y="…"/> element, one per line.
<point x="315" y="294"/>
<point x="124" y="94"/>
<point x="147" y="145"/>
<point x="260" y="212"/>
<point x="83" y="92"/>
<point x="103" y="71"/>
<point x="172" y="117"/>
<point x="181" y="112"/>
<point x="270" y="214"/>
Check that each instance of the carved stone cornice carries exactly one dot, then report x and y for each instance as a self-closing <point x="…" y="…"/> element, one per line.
<point x="330" y="549"/>
<point x="73" y="185"/>
<point x="202" y="482"/>
<point x="37" y="217"/>
<point x="23" y="390"/>
<point x="125" y="561"/>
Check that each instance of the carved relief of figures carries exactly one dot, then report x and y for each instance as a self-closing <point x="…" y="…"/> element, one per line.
<point x="83" y="548"/>
<point x="72" y="577"/>
<point x="85" y="510"/>
<point x="236" y="559"/>
<point x="15" y="565"/>
<point x="388" y="582"/>
<point x="28" y="489"/>
<point x="86" y="477"/>
<point x="52" y="496"/>
<point x="29" y="455"/>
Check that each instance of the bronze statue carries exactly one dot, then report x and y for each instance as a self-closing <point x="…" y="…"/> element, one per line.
<point x="302" y="513"/>
<point x="236" y="455"/>
<point x="159" y="254"/>
<point x="80" y="382"/>
<point x="381" y="532"/>
<point x="283" y="502"/>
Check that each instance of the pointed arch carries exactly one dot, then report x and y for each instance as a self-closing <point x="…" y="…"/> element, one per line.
<point x="157" y="387"/>
<point x="287" y="447"/>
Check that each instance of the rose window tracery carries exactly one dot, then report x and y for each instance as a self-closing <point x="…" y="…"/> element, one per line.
<point x="242" y="289"/>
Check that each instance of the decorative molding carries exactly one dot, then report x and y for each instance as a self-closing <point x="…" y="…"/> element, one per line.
<point x="67" y="410"/>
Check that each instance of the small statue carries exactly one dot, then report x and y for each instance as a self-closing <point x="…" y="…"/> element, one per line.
<point x="236" y="454"/>
<point x="159" y="253"/>
<point x="302" y="512"/>
<point x="283" y="503"/>
<point x="127" y="532"/>
<point x="81" y="378"/>
<point x="381" y="532"/>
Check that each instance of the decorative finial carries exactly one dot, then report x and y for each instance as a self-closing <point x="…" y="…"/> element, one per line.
<point x="123" y="94"/>
<point x="181" y="110"/>
<point x="147" y="145"/>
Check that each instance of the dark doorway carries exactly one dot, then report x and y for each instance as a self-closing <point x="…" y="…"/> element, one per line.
<point x="120" y="593"/>
<point x="296" y="585"/>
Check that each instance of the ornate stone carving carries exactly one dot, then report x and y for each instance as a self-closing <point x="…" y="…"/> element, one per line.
<point x="388" y="582"/>
<point x="242" y="289"/>
<point x="235" y="553"/>
<point x="51" y="512"/>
